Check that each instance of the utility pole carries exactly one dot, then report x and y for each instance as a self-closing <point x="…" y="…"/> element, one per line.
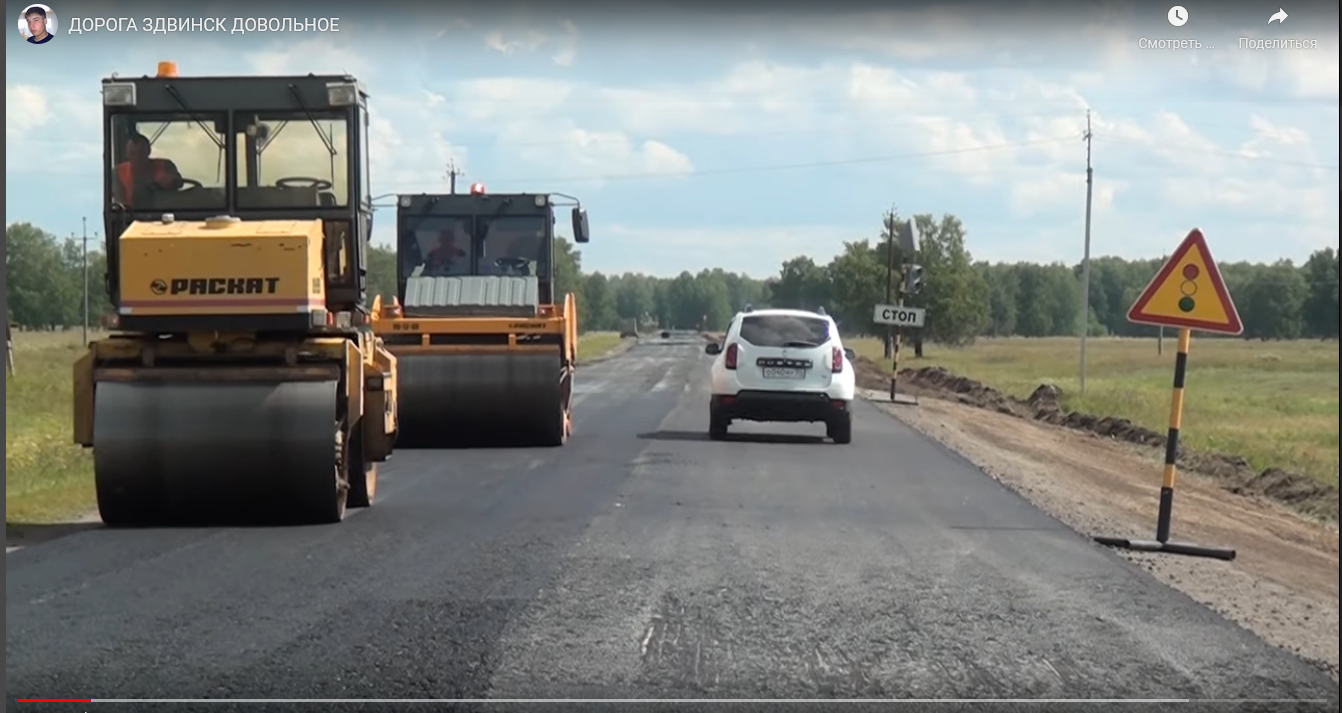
<point x="890" y="277"/>
<point x="85" y="221"/>
<point x="452" y="174"/>
<point x="1085" y="260"/>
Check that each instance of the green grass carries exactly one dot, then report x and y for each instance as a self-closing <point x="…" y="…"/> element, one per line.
<point x="595" y="344"/>
<point x="47" y="477"/>
<point x="1273" y="403"/>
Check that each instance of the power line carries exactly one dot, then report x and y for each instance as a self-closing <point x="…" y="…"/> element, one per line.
<point x="786" y="166"/>
<point x="733" y="170"/>
<point x="1219" y="152"/>
<point x="702" y="96"/>
<point x="684" y="137"/>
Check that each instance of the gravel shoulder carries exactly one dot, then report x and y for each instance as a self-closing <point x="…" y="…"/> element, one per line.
<point x="1283" y="585"/>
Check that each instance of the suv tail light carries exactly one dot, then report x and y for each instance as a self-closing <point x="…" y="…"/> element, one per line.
<point x="836" y="360"/>
<point x="731" y="356"/>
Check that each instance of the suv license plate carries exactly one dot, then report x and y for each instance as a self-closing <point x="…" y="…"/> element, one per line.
<point x="778" y="372"/>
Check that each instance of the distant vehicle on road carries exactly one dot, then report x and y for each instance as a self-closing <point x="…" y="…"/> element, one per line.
<point x="782" y="365"/>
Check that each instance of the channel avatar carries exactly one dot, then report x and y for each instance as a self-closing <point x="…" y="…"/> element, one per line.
<point x="37" y="24"/>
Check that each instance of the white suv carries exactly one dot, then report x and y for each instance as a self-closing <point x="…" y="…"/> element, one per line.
<point x="779" y="365"/>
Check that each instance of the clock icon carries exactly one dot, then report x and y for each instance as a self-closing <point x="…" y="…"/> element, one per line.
<point x="1178" y="16"/>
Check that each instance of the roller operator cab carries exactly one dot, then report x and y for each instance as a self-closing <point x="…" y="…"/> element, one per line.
<point x="782" y="365"/>
<point x="486" y="339"/>
<point x="242" y="377"/>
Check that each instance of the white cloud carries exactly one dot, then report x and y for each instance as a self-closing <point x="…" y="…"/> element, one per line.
<point x="64" y="122"/>
<point x="26" y="110"/>
<point x="566" y="45"/>
<point x="1109" y="35"/>
<point x="899" y="34"/>
<point x="754" y="251"/>
<point x="527" y="38"/>
<point x="533" y="118"/>
<point x="1033" y="196"/>
<point x="318" y="56"/>
<point x="514" y="43"/>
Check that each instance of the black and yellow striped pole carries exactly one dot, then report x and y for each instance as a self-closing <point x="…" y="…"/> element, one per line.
<point x="1162" y="542"/>
<point x="1186" y="293"/>
<point x="1172" y="438"/>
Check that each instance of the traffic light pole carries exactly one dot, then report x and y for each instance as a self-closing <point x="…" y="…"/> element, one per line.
<point x="899" y="331"/>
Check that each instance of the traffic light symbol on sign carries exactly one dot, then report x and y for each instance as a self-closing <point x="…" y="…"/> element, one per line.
<point x="1189" y="292"/>
<point x="1189" y="288"/>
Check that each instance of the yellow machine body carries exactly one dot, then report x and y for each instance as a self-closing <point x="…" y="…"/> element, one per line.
<point x="218" y="267"/>
<point x="226" y="422"/>
<point x="242" y="380"/>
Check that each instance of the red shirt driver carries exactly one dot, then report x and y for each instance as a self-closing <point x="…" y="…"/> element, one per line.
<point x="140" y="175"/>
<point x="442" y="259"/>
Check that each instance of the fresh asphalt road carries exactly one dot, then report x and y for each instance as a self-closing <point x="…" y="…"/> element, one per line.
<point x="641" y="560"/>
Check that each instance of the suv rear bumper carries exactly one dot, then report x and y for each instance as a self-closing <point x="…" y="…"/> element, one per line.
<point x="776" y="406"/>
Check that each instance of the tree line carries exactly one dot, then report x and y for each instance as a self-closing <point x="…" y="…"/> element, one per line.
<point x="965" y="299"/>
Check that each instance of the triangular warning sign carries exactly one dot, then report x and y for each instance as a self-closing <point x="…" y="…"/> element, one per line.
<point x="1188" y="292"/>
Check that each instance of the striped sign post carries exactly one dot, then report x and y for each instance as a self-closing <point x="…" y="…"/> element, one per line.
<point x="1187" y="293"/>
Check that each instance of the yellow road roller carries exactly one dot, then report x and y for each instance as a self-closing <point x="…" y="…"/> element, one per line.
<point x="242" y="379"/>
<point x="486" y="346"/>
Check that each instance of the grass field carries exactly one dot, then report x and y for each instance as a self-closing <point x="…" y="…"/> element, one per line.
<point x="47" y="476"/>
<point x="1273" y="403"/>
<point x="594" y="344"/>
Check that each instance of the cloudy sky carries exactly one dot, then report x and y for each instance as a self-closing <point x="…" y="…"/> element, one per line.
<point x="742" y="137"/>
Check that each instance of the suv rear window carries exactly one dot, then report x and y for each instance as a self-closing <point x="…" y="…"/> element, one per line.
<point x="779" y="330"/>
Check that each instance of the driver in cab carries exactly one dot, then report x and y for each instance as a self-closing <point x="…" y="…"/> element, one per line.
<point x="442" y="259"/>
<point x="141" y="176"/>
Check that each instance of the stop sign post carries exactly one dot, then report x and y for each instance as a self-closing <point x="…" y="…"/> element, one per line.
<point x="899" y="316"/>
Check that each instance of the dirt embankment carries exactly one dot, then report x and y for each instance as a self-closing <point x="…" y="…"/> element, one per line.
<point x="1296" y="491"/>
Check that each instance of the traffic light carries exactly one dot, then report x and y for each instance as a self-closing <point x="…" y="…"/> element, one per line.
<point x="1188" y="288"/>
<point x="913" y="279"/>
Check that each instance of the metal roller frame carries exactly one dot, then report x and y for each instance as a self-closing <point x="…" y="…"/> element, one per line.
<point x="174" y="452"/>
<point x="479" y="399"/>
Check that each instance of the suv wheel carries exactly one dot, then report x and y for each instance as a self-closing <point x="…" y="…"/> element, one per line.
<point x="717" y="426"/>
<point x="840" y="427"/>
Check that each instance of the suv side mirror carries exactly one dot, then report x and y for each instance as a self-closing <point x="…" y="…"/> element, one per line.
<point x="713" y="349"/>
<point x="852" y="355"/>
<point x="580" y="234"/>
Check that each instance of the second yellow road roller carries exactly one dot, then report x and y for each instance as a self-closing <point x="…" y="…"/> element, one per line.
<point x="486" y="345"/>
<point x="242" y="379"/>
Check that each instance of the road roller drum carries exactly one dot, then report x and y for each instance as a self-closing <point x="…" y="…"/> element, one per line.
<point x="173" y="453"/>
<point x="472" y="400"/>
